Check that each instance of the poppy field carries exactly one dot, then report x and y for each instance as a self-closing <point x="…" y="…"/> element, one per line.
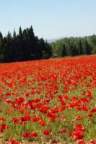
<point x="48" y="101"/>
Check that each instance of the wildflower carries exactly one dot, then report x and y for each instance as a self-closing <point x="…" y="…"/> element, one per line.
<point x="78" y="132"/>
<point x="46" y="132"/>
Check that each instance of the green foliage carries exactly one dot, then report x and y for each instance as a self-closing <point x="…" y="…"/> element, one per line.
<point x="74" y="46"/>
<point x="23" y="46"/>
<point x="26" y="46"/>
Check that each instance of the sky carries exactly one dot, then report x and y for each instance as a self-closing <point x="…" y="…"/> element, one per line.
<point x="51" y="19"/>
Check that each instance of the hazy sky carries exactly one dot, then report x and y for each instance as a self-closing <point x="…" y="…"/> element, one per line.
<point x="50" y="18"/>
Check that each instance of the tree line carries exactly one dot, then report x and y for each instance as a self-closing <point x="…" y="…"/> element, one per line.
<point x="74" y="46"/>
<point x="23" y="46"/>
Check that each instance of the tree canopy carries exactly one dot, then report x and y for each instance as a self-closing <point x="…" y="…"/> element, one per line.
<point x="23" y="46"/>
<point x="74" y="46"/>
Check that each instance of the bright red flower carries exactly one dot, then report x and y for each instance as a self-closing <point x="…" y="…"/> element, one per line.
<point x="46" y="132"/>
<point x="25" y="118"/>
<point x="29" y="135"/>
<point x="42" y="122"/>
<point x="33" y="134"/>
<point x="36" y="119"/>
<point x="78" y="132"/>
<point x="43" y="108"/>
<point x="52" y="115"/>
<point x="3" y="127"/>
<point x="13" y="141"/>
